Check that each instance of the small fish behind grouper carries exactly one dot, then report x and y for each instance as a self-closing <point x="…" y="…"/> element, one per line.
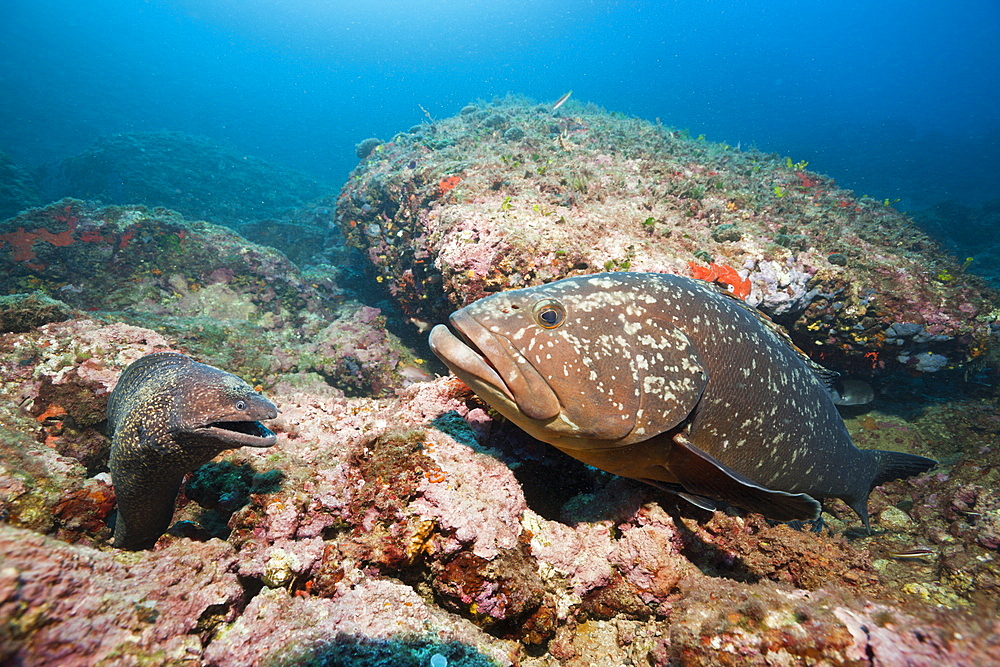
<point x="848" y="391"/>
<point x="167" y="416"/>
<point x="667" y="380"/>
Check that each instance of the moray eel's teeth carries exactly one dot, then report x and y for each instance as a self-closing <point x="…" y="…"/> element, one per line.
<point x="167" y="416"/>
<point x="240" y="434"/>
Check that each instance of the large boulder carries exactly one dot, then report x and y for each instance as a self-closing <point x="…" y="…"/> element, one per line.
<point x="512" y="194"/>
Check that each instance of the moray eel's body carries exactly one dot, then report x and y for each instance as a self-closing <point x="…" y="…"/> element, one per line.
<point x="167" y="416"/>
<point x="665" y="379"/>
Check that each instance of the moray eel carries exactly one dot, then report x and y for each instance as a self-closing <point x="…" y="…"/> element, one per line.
<point x="665" y="379"/>
<point x="168" y="415"/>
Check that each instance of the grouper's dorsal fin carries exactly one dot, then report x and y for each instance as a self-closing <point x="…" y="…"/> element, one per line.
<point x="702" y="474"/>
<point x="823" y="374"/>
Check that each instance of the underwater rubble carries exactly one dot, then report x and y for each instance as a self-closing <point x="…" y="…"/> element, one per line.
<point x="398" y="520"/>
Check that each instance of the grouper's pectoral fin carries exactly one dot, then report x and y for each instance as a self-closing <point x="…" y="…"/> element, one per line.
<point x="700" y="502"/>
<point x="703" y="475"/>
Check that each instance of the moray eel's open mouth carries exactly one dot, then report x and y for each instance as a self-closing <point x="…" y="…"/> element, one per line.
<point x="491" y="366"/>
<point x="239" y="434"/>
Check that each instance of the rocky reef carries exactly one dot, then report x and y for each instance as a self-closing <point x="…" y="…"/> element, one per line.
<point x="265" y="202"/>
<point x="416" y="525"/>
<point x="18" y="189"/>
<point x="235" y="304"/>
<point x="400" y="521"/>
<point x="512" y="194"/>
<point x="972" y="233"/>
<point x="186" y="173"/>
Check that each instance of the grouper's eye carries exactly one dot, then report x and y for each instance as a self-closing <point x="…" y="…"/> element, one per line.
<point x="549" y="313"/>
<point x="241" y="405"/>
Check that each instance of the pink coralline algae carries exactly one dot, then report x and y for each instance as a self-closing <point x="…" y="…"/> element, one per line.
<point x="79" y="606"/>
<point x="648" y="555"/>
<point x="277" y="628"/>
<point x="457" y="503"/>
<point x="577" y="555"/>
<point x="400" y="526"/>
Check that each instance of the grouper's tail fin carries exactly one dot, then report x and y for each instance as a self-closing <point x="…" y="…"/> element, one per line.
<point x="888" y="466"/>
<point x="897" y="465"/>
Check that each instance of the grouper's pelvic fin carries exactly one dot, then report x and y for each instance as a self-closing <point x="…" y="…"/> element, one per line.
<point x="701" y="474"/>
<point x="701" y="502"/>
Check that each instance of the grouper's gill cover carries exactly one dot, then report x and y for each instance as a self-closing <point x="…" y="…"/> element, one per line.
<point x="664" y="379"/>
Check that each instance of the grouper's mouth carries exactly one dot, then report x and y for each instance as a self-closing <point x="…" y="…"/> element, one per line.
<point x="238" y="434"/>
<point x="493" y="368"/>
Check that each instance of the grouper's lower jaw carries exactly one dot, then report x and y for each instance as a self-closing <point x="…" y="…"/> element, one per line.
<point x="493" y="369"/>
<point x="465" y="362"/>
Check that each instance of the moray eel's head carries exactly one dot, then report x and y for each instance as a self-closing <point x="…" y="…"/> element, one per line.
<point x="221" y="411"/>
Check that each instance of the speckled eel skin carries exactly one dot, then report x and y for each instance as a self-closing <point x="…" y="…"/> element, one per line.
<point x="665" y="379"/>
<point x="167" y="416"/>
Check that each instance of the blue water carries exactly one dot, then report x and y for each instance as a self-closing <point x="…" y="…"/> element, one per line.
<point x="894" y="98"/>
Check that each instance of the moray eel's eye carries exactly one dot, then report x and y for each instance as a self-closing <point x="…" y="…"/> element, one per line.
<point x="549" y="313"/>
<point x="241" y="405"/>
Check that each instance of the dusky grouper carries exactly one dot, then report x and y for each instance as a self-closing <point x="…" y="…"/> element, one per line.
<point x="168" y="415"/>
<point x="665" y="379"/>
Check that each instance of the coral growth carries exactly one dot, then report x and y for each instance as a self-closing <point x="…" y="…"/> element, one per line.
<point x="726" y="275"/>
